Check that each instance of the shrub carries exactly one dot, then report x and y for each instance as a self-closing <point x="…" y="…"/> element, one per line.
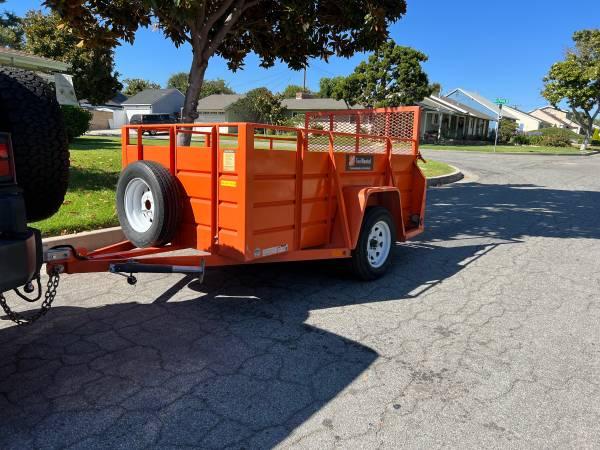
<point x="521" y="139"/>
<point x="563" y="132"/>
<point x="596" y="135"/>
<point x="77" y="120"/>
<point x="555" y="140"/>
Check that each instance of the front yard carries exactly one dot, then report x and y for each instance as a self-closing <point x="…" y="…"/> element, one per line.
<point x="90" y="201"/>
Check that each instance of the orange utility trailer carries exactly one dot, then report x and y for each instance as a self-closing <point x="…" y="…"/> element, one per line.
<point x="346" y="185"/>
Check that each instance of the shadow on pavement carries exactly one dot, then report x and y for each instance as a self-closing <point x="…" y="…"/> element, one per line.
<point x="233" y="361"/>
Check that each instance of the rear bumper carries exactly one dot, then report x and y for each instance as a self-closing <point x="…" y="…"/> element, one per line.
<point x="20" y="259"/>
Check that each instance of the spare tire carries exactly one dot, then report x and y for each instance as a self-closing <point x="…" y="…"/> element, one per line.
<point x="148" y="204"/>
<point x="30" y="113"/>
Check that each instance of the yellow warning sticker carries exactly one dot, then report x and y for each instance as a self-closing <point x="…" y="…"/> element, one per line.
<point x="229" y="183"/>
<point x="228" y="160"/>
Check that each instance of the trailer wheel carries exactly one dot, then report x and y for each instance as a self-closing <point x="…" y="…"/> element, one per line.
<point x="30" y="112"/>
<point x="148" y="204"/>
<point x="373" y="253"/>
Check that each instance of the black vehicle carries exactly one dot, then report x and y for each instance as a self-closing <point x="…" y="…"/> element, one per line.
<point x="34" y="175"/>
<point x="153" y="119"/>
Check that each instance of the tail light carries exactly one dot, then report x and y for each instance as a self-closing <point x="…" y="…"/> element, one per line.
<point x="7" y="166"/>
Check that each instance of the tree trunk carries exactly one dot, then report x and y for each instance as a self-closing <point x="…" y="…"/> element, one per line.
<point x="190" y="105"/>
<point x="589" y="128"/>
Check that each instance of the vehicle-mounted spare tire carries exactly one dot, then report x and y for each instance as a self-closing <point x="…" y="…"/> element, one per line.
<point x="30" y="113"/>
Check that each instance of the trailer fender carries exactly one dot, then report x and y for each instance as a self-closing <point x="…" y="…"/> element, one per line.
<point x="358" y="198"/>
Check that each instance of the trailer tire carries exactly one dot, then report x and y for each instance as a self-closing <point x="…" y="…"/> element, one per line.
<point x="373" y="253"/>
<point x="30" y="113"/>
<point x="148" y="204"/>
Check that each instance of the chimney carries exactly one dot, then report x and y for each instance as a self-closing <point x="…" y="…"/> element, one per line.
<point x="303" y="95"/>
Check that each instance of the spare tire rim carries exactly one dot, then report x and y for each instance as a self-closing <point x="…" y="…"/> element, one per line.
<point x="379" y="244"/>
<point x="139" y="205"/>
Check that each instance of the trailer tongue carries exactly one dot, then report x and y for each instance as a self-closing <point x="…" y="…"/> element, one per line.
<point x="347" y="185"/>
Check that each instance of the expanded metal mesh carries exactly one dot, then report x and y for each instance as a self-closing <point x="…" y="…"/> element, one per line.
<point x="399" y="125"/>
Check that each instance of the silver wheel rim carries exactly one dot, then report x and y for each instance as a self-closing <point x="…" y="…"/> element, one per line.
<point x="139" y="205"/>
<point x="379" y="244"/>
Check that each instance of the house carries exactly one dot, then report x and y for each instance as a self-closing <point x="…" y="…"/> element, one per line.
<point x="446" y="118"/>
<point x="109" y="115"/>
<point x="55" y="72"/>
<point x="214" y="108"/>
<point x="482" y="104"/>
<point x="556" y="118"/>
<point x="304" y="103"/>
<point x="154" y="101"/>
<point x="525" y="121"/>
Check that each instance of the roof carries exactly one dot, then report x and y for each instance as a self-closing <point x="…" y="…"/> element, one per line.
<point x="316" y="104"/>
<point x="217" y="102"/>
<point x="482" y="101"/>
<point x="431" y="104"/>
<point x="518" y="111"/>
<point x="24" y="60"/>
<point x="150" y="96"/>
<point x="461" y="106"/>
<point x="552" y="117"/>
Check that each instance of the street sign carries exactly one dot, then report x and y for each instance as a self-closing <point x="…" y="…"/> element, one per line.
<point x="501" y="101"/>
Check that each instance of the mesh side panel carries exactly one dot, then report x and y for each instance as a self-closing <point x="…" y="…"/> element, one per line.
<point x="393" y="124"/>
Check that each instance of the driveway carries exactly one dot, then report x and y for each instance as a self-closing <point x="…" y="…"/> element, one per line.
<point x="485" y="334"/>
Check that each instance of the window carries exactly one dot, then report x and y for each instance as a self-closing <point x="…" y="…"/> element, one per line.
<point x="436" y="119"/>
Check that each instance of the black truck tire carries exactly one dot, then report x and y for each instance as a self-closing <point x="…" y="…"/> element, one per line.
<point x="30" y="113"/>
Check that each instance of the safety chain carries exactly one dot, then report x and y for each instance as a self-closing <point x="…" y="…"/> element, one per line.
<point x="20" y="319"/>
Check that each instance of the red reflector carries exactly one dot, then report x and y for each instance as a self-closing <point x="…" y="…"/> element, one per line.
<point x="3" y="151"/>
<point x="5" y="169"/>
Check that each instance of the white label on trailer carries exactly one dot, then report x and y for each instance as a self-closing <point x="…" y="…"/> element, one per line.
<point x="275" y="250"/>
<point x="228" y="160"/>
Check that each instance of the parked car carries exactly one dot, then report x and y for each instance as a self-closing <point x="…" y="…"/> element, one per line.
<point x="152" y="119"/>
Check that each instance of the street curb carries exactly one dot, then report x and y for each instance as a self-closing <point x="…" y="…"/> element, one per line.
<point x="90" y="240"/>
<point x="513" y="153"/>
<point x="453" y="177"/>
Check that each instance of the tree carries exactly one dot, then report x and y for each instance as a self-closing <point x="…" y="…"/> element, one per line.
<point x="392" y="76"/>
<point x="180" y="81"/>
<point x="289" y="30"/>
<point x="11" y="30"/>
<point x="291" y="90"/>
<point x="136" y="85"/>
<point x="576" y="80"/>
<point x="436" y="89"/>
<point x="331" y="87"/>
<point x="94" y="77"/>
<point x="507" y="129"/>
<point x="259" y="105"/>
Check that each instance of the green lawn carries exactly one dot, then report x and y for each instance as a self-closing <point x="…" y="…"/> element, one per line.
<point x="90" y="201"/>
<point x="95" y="167"/>
<point x="503" y="148"/>
<point x="435" y="168"/>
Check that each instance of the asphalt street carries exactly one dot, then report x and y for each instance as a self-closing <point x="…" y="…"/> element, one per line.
<point x="486" y="333"/>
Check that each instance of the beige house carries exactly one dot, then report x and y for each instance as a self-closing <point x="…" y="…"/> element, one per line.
<point x="527" y="122"/>
<point x="556" y="118"/>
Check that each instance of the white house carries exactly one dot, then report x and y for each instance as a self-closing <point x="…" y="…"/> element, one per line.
<point x="154" y="101"/>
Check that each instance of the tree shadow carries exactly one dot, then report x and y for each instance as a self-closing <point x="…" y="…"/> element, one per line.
<point x="95" y="143"/>
<point x="233" y="362"/>
<point x="91" y="179"/>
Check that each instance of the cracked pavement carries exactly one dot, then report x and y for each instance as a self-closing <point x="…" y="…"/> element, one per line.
<point x="485" y="334"/>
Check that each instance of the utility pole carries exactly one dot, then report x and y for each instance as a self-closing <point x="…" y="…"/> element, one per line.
<point x="304" y="84"/>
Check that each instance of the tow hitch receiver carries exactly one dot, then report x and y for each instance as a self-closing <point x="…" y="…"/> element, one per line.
<point x="132" y="267"/>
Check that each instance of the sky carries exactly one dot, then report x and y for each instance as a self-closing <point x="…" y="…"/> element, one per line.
<point x="498" y="49"/>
